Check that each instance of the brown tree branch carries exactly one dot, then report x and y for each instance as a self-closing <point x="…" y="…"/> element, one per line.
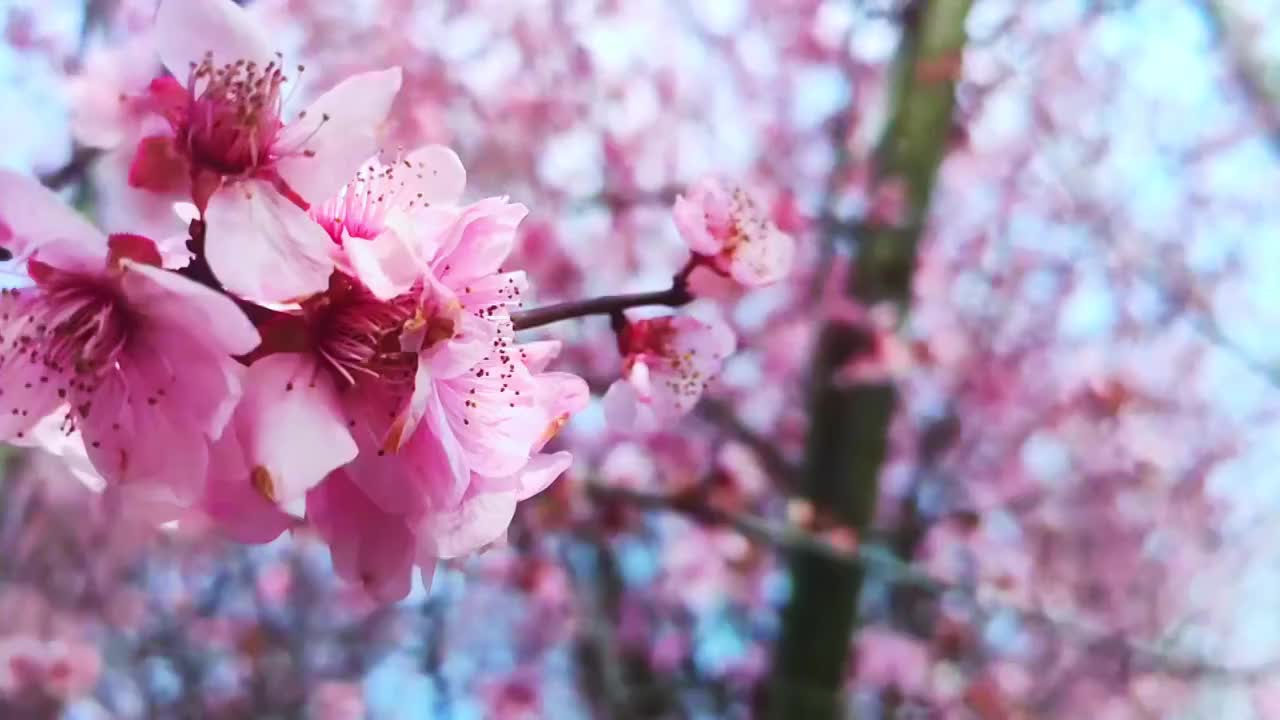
<point x="720" y="413"/>
<point x="883" y="563"/>
<point x="1246" y="65"/>
<point x="611" y="305"/>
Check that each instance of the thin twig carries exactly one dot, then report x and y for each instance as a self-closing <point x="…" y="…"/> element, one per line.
<point x="597" y="646"/>
<point x="784" y="472"/>
<point x="1246" y="65"/>
<point x="882" y="562"/>
<point x="675" y="296"/>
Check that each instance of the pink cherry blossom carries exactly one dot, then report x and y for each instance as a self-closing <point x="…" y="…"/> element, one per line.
<point x="517" y="696"/>
<point x="335" y="372"/>
<point x="474" y="398"/>
<point x="250" y="173"/>
<point x="53" y="437"/>
<point x="109" y="99"/>
<point x="371" y="547"/>
<point x="53" y="667"/>
<point x="137" y="358"/>
<point x="485" y="511"/>
<point x="400" y="388"/>
<point x="114" y="105"/>
<point x="890" y="659"/>
<point x="667" y="363"/>
<point x="335" y="700"/>
<point x="472" y="449"/>
<point x="342" y="369"/>
<point x="379" y="217"/>
<point x="736" y="237"/>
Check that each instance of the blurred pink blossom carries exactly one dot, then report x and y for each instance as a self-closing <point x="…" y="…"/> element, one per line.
<point x="138" y="358"/>
<point x="667" y="363"/>
<point x="736" y="237"/>
<point x="336" y="700"/>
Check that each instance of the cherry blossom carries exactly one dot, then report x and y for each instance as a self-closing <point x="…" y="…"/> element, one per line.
<point x="667" y="363"/>
<point x="50" y="667"/>
<point x="735" y="237"/>
<point x="112" y="110"/>
<point x="227" y="145"/>
<point x="400" y="385"/>
<point x="137" y="358"/>
<point x="962" y="348"/>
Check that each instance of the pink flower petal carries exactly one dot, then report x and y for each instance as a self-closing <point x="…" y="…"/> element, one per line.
<point x="538" y="355"/>
<point x="238" y="508"/>
<point x="292" y="426"/>
<point x="437" y="174"/>
<point x="702" y="348"/>
<point x="34" y="219"/>
<point x="490" y="294"/>
<point x="428" y="469"/>
<point x="385" y="265"/>
<point x="620" y="405"/>
<point x="562" y="394"/>
<point x="25" y="399"/>
<point x="99" y="118"/>
<point x="370" y="547"/>
<point x="147" y="445"/>
<point x="479" y="241"/>
<point x="150" y="421"/>
<point x="411" y="410"/>
<point x="447" y="487"/>
<point x="541" y="471"/>
<point x="172" y="302"/>
<point x="702" y="216"/>
<point x="144" y="505"/>
<point x="710" y="339"/>
<point x="476" y="522"/>
<point x="195" y="384"/>
<point x="263" y="247"/>
<point x="187" y="30"/>
<point x="461" y="353"/>
<point x="763" y="256"/>
<point x="120" y="208"/>
<point x="498" y="432"/>
<point x="336" y="134"/>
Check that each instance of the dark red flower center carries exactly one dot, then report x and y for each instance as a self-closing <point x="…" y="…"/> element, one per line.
<point x="233" y="118"/>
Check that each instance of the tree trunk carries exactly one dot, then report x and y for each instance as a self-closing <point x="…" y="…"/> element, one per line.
<point x="849" y="425"/>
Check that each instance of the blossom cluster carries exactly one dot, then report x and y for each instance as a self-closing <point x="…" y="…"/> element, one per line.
<point x="331" y="342"/>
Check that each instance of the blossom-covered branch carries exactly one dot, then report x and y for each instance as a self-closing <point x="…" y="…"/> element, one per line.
<point x="330" y="342"/>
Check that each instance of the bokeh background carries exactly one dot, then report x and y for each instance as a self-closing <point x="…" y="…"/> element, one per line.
<point x="1077" y="505"/>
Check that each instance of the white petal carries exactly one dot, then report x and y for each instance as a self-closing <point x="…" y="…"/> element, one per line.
<point x="32" y="218"/>
<point x="263" y="247"/>
<point x="339" y="131"/>
<point x="292" y="426"/>
<point x="187" y="30"/>
<point x="437" y="173"/>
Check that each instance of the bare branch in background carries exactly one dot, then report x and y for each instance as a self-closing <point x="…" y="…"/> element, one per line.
<point x="882" y="563"/>
<point x="1247" y="60"/>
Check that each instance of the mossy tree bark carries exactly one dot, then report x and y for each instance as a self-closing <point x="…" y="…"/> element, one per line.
<point x="849" y="425"/>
